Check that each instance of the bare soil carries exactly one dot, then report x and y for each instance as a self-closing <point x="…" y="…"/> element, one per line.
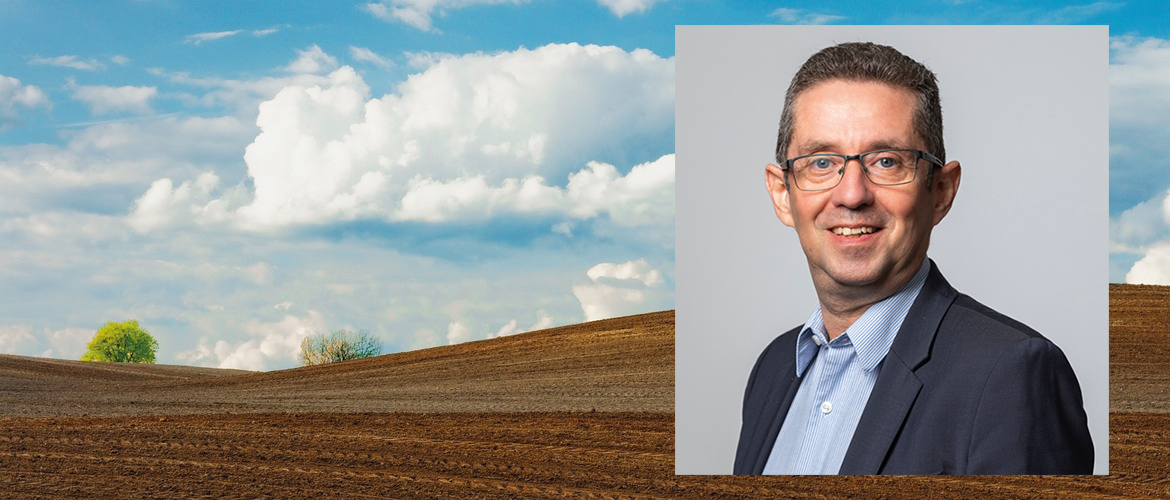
<point x="577" y="412"/>
<point x="1139" y="348"/>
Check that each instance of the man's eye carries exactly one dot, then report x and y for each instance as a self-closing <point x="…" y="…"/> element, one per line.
<point x="821" y="163"/>
<point x="887" y="162"/>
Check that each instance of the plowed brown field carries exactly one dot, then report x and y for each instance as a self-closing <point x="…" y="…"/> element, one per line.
<point x="576" y="412"/>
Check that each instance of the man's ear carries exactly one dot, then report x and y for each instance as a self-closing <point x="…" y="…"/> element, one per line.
<point x="774" y="180"/>
<point x="946" y="186"/>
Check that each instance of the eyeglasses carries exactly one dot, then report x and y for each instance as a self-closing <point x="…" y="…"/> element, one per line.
<point x="885" y="167"/>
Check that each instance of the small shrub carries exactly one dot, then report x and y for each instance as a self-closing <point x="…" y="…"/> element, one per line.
<point x="340" y="345"/>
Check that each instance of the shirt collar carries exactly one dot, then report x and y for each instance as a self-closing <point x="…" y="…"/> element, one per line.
<point x="871" y="335"/>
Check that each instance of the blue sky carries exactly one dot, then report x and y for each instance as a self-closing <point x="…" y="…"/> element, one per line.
<point x="237" y="175"/>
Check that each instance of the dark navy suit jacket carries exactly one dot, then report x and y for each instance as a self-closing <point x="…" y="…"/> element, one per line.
<point x="963" y="390"/>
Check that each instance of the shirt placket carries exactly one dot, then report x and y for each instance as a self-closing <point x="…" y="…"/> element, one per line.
<point x="834" y="359"/>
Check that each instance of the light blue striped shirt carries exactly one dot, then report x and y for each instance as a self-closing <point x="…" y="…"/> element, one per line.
<point x="824" y="414"/>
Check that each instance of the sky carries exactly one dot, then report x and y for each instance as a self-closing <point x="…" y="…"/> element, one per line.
<point x="239" y="175"/>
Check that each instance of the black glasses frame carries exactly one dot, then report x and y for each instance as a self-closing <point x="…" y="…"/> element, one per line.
<point x="918" y="155"/>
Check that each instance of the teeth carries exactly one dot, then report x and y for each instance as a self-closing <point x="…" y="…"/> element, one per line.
<point x="851" y="231"/>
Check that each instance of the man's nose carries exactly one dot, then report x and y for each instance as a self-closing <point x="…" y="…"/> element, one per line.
<point x="855" y="190"/>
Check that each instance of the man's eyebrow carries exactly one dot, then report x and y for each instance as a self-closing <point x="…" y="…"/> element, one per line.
<point x="826" y="147"/>
<point x="888" y="145"/>
<point x="815" y="147"/>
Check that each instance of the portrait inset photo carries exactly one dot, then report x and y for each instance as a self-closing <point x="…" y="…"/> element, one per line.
<point x="891" y="250"/>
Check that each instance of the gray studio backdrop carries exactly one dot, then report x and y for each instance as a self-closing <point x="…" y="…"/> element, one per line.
<point x="1025" y="112"/>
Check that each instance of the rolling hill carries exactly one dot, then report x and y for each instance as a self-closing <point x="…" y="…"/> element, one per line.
<point x="621" y="364"/>
<point x="582" y="411"/>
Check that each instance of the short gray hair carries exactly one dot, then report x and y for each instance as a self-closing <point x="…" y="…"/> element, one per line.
<point x="869" y="62"/>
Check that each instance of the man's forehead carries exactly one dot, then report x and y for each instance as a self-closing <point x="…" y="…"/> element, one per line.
<point x="830" y="114"/>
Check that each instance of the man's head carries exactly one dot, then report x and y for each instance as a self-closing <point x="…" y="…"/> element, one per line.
<point x="862" y="238"/>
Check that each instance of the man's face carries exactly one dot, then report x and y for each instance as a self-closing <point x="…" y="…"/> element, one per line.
<point x="850" y="118"/>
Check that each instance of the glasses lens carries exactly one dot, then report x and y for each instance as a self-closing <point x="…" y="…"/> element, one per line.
<point x="817" y="172"/>
<point x="890" y="167"/>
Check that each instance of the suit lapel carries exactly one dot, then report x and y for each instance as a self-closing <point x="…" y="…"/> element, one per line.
<point x="897" y="386"/>
<point x="778" y="403"/>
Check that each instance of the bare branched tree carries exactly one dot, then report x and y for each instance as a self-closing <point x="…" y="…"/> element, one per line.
<point x="340" y="345"/>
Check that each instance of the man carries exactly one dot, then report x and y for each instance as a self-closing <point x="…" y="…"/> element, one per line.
<point x="895" y="372"/>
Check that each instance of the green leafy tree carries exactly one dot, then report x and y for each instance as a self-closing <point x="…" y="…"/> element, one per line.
<point x="122" y="343"/>
<point x="340" y="345"/>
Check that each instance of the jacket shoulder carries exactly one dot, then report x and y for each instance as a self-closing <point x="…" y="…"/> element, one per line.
<point x="975" y="317"/>
<point x="976" y="337"/>
<point x="1012" y="399"/>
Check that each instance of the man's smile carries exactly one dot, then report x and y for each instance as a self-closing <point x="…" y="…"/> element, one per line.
<point x="853" y="232"/>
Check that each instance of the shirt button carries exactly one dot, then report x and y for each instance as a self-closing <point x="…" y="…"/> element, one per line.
<point x="826" y="407"/>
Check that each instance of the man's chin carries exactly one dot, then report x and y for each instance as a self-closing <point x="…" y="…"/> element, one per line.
<point x="855" y="276"/>
<point x="854" y="281"/>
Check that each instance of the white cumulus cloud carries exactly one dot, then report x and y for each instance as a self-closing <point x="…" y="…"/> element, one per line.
<point x="164" y="202"/>
<point x="630" y="270"/>
<point x="617" y="289"/>
<point x="69" y="343"/>
<point x="103" y="99"/>
<point x="15" y="95"/>
<point x="15" y="338"/>
<point x="457" y="332"/>
<point x="1140" y="226"/>
<point x="469" y="137"/>
<point x="601" y="301"/>
<point x="436" y="201"/>
<point x="366" y="55"/>
<point x="417" y="13"/>
<point x="271" y="343"/>
<point x="1153" y="268"/>
<point x="644" y="196"/>
<point x="1144" y="231"/>
<point x="622" y="8"/>
<point x="312" y="60"/>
